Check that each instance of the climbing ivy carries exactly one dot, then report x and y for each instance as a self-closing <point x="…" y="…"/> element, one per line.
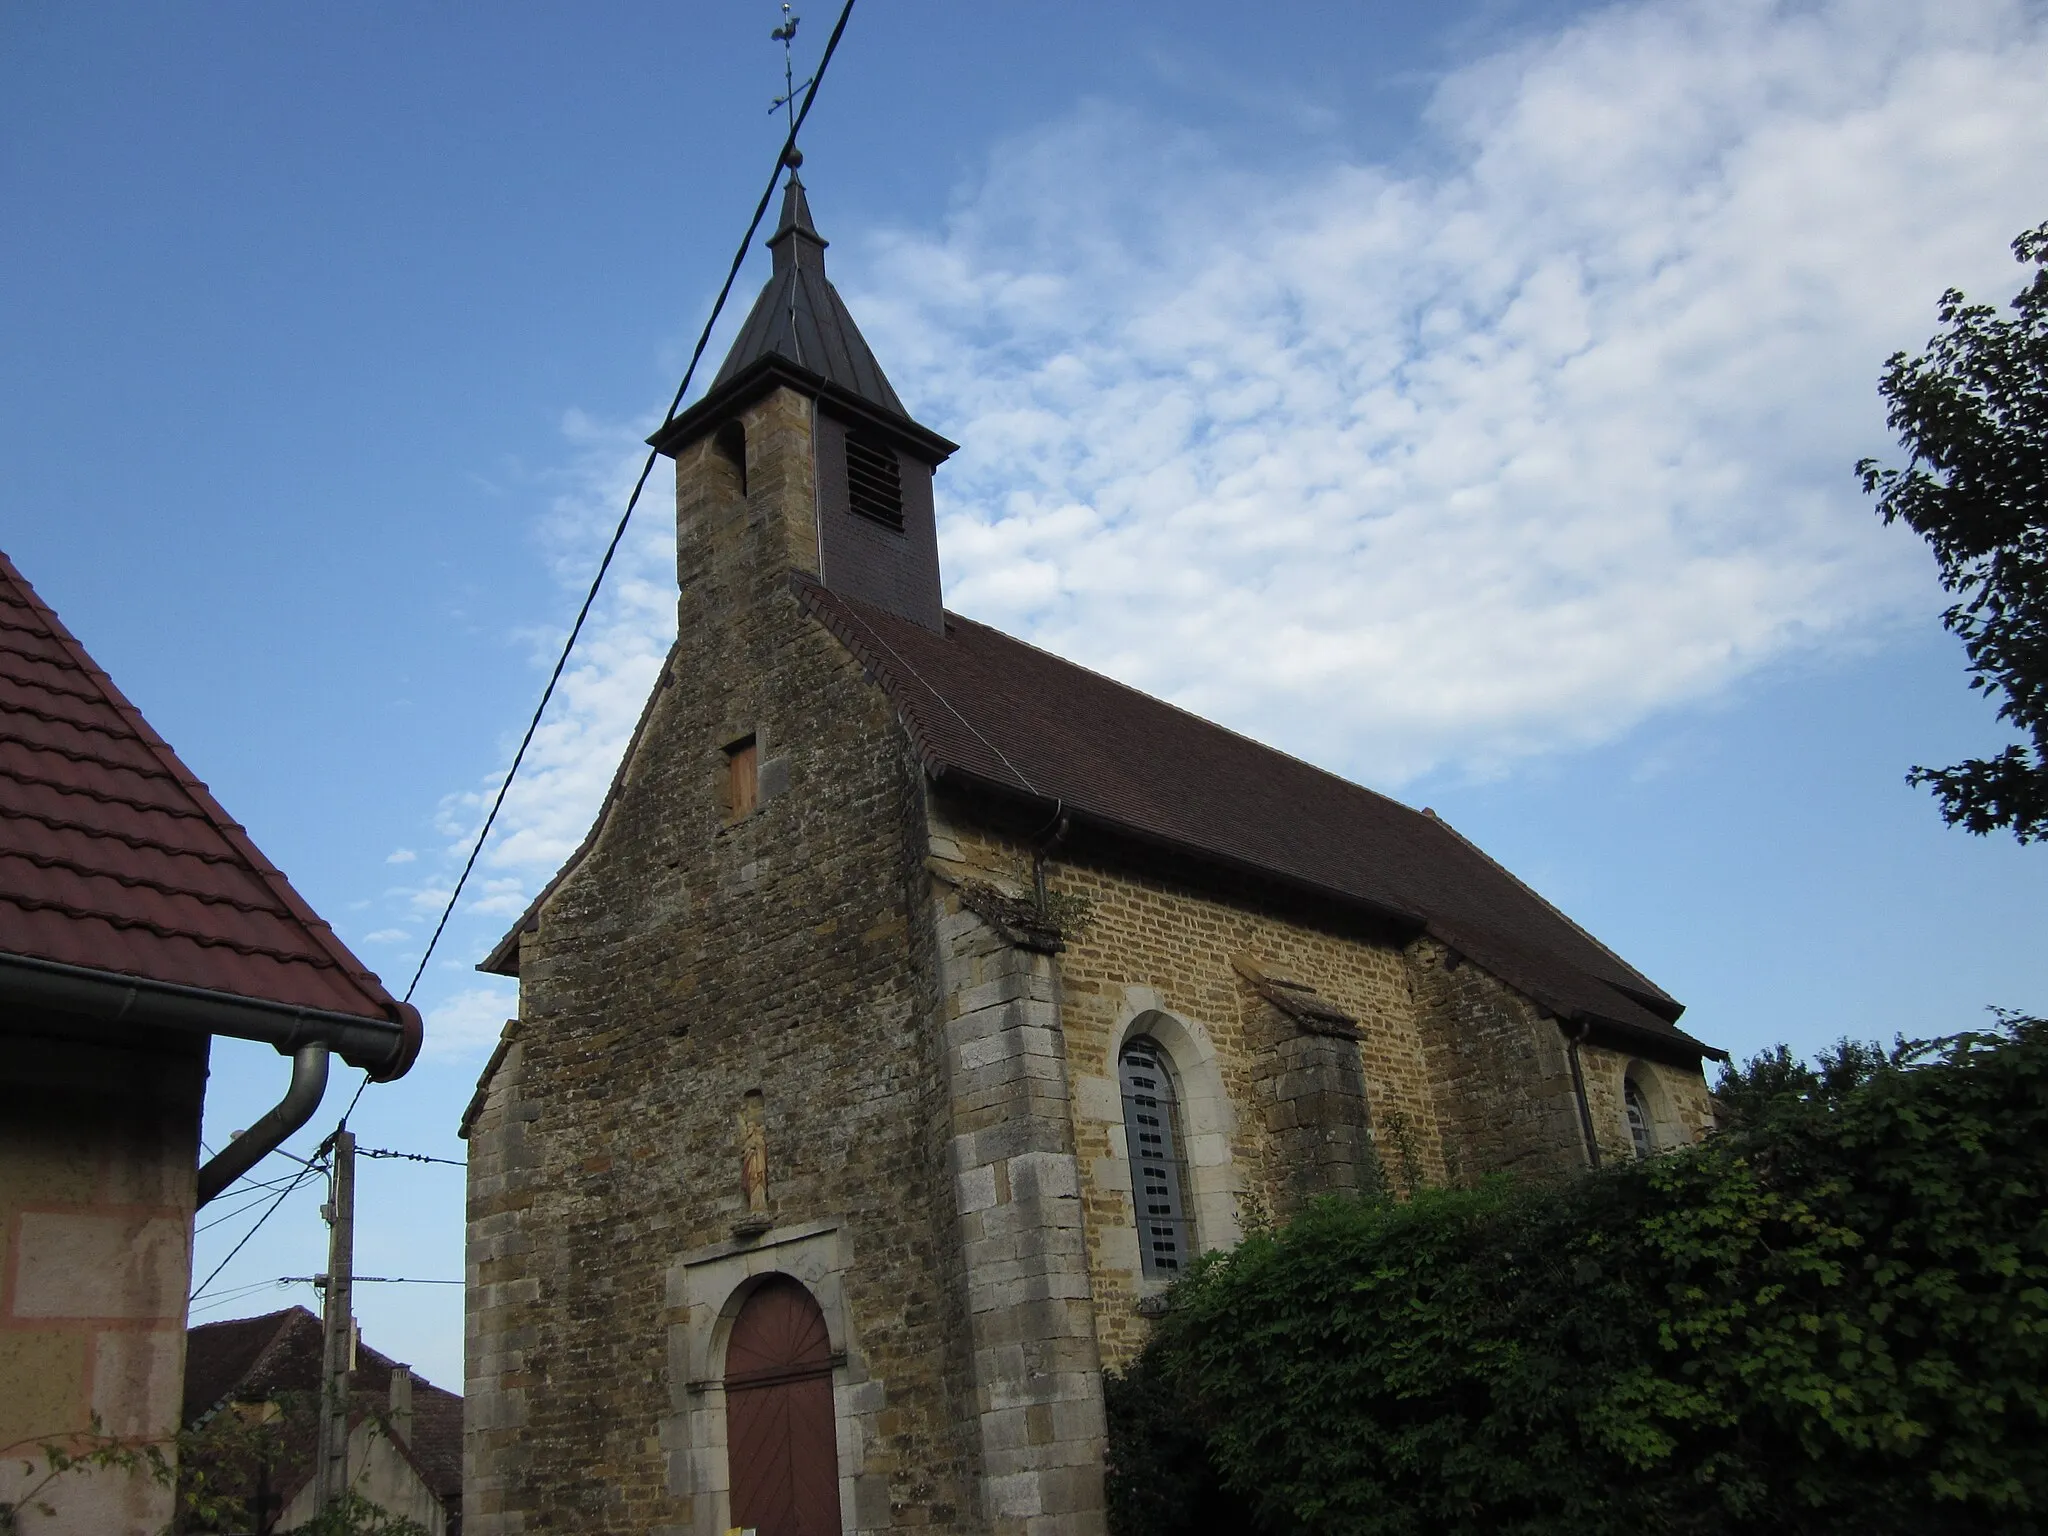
<point x="1831" y="1317"/>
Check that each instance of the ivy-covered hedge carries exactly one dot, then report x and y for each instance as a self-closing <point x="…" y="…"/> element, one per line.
<point x="1832" y="1317"/>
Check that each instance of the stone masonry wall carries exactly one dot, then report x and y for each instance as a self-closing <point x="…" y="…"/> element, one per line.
<point x="690" y="959"/>
<point x="1680" y="1110"/>
<point x="1156" y="957"/>
<point x="1504" y="1080"/>
<point x="1500" y="1065"/>
<point x="1037" y="1374"/>
<point x="1502" y="1074"/>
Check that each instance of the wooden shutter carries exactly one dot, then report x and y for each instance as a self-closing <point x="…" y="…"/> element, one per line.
<point x="779" y="1424"/>
<point x="743" y="778"/>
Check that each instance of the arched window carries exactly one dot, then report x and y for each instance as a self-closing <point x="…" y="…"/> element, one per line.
<point x="1158" y="1181"/>
<point x="780" y="1434"/>
<point x="1638" y="1110"/>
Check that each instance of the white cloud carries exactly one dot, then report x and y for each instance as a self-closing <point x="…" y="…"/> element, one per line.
<point x="400" y="856"/>
<point x="386" y="936"/>
<point x="467" y="1023"/>
<point x="1404" y="470"/>
<point x="1412" y="470"/>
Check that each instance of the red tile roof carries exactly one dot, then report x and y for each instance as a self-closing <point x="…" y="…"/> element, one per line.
<point x="114" y="857"/>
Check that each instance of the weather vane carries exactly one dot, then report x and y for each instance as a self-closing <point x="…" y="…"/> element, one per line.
<point x="786" y="102"/>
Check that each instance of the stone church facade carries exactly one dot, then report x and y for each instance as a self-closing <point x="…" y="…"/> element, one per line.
<point x="919" y="1003"/>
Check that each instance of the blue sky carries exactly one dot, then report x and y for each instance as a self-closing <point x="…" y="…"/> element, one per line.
<point x="1462" y="397"/>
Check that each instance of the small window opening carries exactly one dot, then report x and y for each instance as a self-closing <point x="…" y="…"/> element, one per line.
<point x="742" y="778"/>
<point x="731" y="440"/>
<point x="1158" y="1179"/>
<point x="874" y="480"/>
<point x="1638" y="1118"/>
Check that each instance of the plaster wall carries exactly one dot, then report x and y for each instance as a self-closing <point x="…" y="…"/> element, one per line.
<point x="381" y="1473"/>
<point x="99" y="1147"/>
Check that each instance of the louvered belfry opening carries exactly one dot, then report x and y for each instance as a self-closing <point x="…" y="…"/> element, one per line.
<point x="1158" y="1183"/>
<point x="780" y="1436"/>
<point x="874" y="480"/>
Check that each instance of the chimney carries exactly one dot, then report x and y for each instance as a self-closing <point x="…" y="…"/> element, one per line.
<point x="401" y="1403"/>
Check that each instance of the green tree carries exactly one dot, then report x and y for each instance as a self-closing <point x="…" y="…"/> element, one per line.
<point x="1972" y="413"/>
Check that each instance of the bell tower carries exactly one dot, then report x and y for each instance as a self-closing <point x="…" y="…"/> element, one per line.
<point x="801" y="452"/>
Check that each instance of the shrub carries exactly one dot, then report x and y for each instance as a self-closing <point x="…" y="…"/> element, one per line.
<point x="1831" y="1318"/>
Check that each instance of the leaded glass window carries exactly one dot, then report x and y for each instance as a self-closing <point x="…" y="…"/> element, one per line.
<point x="1638" y="1117"/>
<point x="1158" y="1178"/>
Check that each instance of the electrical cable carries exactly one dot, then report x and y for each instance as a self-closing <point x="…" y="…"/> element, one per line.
<point x="410" y="1157"/>
<point x="782" y="162"/>
<point x="200" y="1290"/>
<point x="228" y="1298"/>
<point x="264" y="1191"/>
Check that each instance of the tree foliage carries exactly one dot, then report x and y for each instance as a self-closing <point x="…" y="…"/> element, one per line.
<point x="1832" y="1317"/>
<point x="1972" y="413"/>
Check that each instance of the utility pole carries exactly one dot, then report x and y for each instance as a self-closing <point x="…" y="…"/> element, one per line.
<point x="331" y="1470"/>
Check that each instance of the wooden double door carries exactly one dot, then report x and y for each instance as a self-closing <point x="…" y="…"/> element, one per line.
<point x="780" y="1436"/>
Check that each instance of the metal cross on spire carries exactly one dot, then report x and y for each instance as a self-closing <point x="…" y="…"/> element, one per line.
<point x="786" y="102"/>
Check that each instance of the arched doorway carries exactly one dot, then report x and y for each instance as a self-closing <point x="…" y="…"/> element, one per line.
<point x="779" y="1432"/>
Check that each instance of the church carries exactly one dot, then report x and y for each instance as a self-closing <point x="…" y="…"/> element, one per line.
<point x="920" y="1005"/>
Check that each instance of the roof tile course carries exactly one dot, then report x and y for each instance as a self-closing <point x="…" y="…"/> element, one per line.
<point x="114" y="857"/>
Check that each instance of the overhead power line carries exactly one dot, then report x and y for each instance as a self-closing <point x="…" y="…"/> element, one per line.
<point x="410" y="1157"/>
<point x="783" y="160"/>
<point x="199" y="1290"/>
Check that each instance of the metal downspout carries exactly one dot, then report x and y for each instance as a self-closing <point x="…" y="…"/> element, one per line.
<point x="1571" y="1047"/>
<point x="308" y="1086"/>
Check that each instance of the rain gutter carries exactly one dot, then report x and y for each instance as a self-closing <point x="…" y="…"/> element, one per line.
<point x="384" y="1048"/>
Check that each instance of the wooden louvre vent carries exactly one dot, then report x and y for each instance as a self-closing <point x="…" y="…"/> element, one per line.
<point x="874" y="481"/>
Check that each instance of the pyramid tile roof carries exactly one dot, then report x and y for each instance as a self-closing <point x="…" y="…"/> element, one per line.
<point x="800" y="317"/>
<point x="115" y="858"/>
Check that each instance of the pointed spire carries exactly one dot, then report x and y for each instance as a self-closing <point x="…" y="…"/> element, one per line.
<point x="801" y="319"/>
<point x="796" y="230"/>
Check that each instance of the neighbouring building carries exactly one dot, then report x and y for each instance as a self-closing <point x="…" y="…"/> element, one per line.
<point x="259" y="1379"/>
<point x="921" y="1002"/>
<point x="137" y="921"/>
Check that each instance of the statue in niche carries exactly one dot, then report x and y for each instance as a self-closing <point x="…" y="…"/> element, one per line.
<point x="753" y="1166"/>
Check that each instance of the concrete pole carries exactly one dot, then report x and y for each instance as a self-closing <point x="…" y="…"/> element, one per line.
<point x="332" y="1466"/>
